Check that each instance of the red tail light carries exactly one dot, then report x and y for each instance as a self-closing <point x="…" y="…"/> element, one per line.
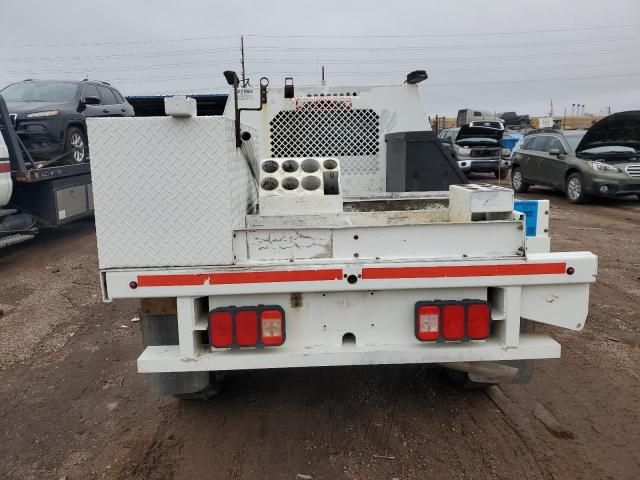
<point x="272" y="327"/>
<point x="246" y="327"/>
<point x="221" y="329"/>
<point x="453" y="322"/>
<point x="442" y="321"/>
<point x="478" y="321"/>
<point x="428" y="325"/>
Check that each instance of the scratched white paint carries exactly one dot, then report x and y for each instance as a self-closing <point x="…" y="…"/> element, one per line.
<point x="289" y="244"/>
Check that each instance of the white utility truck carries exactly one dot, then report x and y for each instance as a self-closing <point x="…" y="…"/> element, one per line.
<point x="275" y="244"/>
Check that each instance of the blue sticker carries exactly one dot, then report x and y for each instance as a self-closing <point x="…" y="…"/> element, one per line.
<point x="530" y="209"/>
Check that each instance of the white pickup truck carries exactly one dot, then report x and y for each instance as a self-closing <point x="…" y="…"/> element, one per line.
<point x="287" y="251"/>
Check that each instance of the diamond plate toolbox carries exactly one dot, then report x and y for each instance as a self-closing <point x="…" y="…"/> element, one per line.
<point x="167" y="191"/>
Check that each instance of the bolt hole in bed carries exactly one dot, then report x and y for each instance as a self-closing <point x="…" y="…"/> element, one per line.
<point x="348" y="339"/>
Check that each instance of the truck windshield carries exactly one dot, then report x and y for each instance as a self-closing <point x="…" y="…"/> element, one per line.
<point x="40" y="92"/>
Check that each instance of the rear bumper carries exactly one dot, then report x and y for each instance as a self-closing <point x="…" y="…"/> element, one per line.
<point x="168" y="358"/>
<point x="322" y="308"/>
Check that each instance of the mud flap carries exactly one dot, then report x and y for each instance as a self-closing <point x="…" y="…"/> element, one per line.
<point x="521" y="370"/>
<point x="159" y="323"/>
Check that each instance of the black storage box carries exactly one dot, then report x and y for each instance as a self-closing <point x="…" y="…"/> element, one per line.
<point x="417" y="162"/>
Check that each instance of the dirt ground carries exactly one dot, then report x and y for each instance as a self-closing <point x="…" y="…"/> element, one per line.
<point x="73" y="406"/>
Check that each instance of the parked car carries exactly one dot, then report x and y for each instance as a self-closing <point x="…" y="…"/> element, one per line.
<point x="603" y="161"/>
<point x="49" y="115"/>
<point x="512" y="119"/>
<point x="476" y="147"/>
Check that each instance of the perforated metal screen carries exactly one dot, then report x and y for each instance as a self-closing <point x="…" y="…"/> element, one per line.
<point x="353" y="135"/>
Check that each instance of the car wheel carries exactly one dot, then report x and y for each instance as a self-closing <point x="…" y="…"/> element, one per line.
<point x="76" y="147"/>
<point x="517" y="181"/>
<point x="574" y="188"/>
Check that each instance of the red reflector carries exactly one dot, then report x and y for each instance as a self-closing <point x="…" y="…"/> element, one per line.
<point x="247" y="328"/>
<point x="220" y="329"/>
<point x="478" y="321"/>
<point x="272" y="328"/>
<point x="428" y="323"/>
<point x="453" y="322"/>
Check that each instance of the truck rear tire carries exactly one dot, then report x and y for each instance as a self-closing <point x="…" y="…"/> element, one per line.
<point x="162" y="329"/>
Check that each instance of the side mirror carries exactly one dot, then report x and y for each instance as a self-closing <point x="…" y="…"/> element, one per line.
<point x="91" y="101"/>
<point x="555" y="152"/>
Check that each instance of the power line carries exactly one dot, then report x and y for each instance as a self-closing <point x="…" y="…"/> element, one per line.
<point x="564" y="53"/>
<point x="124" y="42"/>
<point x="120" y="56"/>
<point x="218" y="37"/>
<point x="447" y="71"/>
<point x="325" y="59"/>
<point x="442" y="47"/>
<point x="160" y="66"/>
<point x="438" y="35"/>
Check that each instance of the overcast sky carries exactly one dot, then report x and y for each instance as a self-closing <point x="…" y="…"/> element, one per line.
<point x="492" y="55"/>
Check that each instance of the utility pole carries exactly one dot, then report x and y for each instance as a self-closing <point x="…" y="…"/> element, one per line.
<point x="323" y="83"/>
<point x="244" y="82"/>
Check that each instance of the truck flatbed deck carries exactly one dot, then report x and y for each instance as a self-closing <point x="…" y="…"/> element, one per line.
<point x="32" y="175"/>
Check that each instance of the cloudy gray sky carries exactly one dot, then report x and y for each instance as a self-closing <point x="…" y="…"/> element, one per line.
<point x="493" y="55"/>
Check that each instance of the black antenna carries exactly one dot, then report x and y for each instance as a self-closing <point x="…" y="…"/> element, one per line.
<point x="244" y="82"/>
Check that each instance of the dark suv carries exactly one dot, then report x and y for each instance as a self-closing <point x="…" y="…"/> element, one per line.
<point x="49" y="116"/>
<point x="603" y="161"/>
